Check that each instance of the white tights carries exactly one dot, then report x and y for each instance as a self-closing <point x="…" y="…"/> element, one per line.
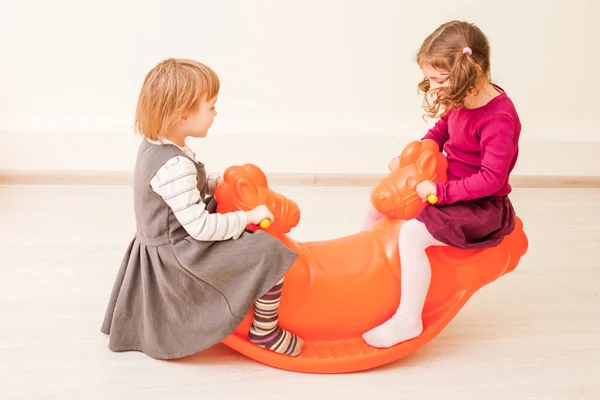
<point x="407" y="323"/>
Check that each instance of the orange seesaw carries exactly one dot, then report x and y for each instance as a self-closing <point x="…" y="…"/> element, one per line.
<point x="339" y="289"/>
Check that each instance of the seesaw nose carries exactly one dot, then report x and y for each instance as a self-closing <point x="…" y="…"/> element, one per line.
<point x="385" y="199"/>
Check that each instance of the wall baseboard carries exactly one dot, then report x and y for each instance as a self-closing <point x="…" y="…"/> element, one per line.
<point x="95" y="152"/>
<point x="109" y="157"/>
<point x="275" y="179"/>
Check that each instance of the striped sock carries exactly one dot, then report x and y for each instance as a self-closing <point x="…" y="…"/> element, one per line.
<point x="265" y="331"/>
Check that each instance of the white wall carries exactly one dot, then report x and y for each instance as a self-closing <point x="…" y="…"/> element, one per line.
<point x="311" y="67"/>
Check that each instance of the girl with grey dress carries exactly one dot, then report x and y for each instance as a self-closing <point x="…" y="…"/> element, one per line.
<point x="190" y="275"/>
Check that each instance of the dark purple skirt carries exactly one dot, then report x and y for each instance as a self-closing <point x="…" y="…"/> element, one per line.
<point x="472" y="224"/>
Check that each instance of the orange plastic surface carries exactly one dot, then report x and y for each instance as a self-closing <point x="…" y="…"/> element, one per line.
<point x="338" y="289"/>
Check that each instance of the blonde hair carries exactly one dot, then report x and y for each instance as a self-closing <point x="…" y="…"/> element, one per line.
<point x="461" y="49"/>
<point x="171" y="89"/>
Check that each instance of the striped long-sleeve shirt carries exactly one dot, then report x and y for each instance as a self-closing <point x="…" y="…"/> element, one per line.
<point x="176" y="182"/>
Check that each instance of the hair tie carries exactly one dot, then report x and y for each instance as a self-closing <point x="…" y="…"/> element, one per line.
<point x="467" y="50"/>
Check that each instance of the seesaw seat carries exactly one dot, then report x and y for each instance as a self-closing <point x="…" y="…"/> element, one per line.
<point x="338" y="289"/>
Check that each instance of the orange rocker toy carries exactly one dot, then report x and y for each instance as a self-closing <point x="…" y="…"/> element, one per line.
<point x="339" y="289"/>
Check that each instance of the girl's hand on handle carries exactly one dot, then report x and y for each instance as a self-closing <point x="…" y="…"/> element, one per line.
<point x="212" y="184"/>
<point x="394" y="163"/>
<point x="258" y="214"/>
<point x="427" y="191"/>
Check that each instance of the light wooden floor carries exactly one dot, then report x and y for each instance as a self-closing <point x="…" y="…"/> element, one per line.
<point x="534" y="334"/>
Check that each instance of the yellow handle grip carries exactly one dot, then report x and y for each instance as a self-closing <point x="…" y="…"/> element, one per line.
<point x="432" y="198"/>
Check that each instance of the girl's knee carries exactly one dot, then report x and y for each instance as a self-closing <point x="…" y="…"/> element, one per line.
<point x="414" y="233"/>
<point x="413" y="227"/>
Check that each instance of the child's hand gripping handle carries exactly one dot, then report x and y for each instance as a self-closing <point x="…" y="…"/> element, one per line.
<point x="260" y="215"/>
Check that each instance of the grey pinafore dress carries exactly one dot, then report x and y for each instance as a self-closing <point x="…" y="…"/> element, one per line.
<point x="173" y="295"/>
